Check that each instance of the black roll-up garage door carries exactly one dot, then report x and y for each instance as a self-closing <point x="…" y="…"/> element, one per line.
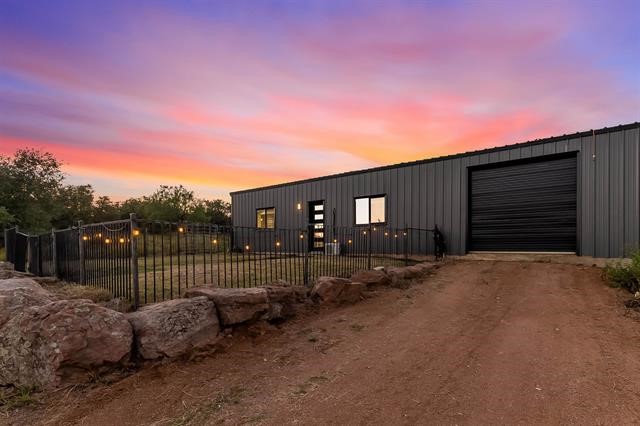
<point x="525" y="206"/>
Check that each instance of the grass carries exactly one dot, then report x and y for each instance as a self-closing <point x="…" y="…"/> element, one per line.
<point x="625" y="274"/>
<point x="3" y="254"/>
<point x="199" y="415"/>
<point x="11" y="398"/>
<point x="75" y="291"/>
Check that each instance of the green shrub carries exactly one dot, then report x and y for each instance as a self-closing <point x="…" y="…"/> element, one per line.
<point x="625" y="274"/>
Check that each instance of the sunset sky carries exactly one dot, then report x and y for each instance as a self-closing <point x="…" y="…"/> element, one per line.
<point x="221" y="96"/>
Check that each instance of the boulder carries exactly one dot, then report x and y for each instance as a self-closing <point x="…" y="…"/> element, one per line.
<point x="328" y="289"/>
<point x="413" y="271"/>
<point x="337" y="290"/>
<point x="235" y="305"/>
<point x="425" y="267"/>
<point x="174" y="328"/>
<point x="10" y="273"/>
<point x="353" y="292"/>
<point x="17" y="294"/>
<point x="371" y="277"/>
<point x="284" y="300"/>
<point x="61" y="342"/>
<point x="399" y="276"/>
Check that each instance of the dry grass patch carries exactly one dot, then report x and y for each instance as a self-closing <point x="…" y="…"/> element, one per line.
<point x="75" y="291"/>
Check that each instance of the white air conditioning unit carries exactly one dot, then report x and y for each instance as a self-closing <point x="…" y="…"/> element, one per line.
<point x="332" y="249"/>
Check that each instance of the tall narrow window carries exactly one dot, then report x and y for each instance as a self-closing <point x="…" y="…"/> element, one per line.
<point x="266" y="218"/>
<point x="370" y="210"/>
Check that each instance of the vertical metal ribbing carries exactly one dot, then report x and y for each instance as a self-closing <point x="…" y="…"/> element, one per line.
<point x="133" y="225"/>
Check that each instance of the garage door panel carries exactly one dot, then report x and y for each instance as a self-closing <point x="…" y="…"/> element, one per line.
<point x="525" y="207"/>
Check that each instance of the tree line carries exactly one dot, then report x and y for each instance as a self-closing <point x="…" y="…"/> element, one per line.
<point x="33" y="195"/>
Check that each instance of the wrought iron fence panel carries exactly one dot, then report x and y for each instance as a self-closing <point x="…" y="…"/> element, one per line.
<point x="148" y="261"/>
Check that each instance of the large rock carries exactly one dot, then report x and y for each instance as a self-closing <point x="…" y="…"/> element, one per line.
<point x="60" y="342"/>
<point x="174" y="328"/>
<point x="400" y="276"/>
<point x="284" y="300"/>
<point x="7" y="272"/>
<point x="352" y="292"/>
<point x="371" y="277"/>
<point x="425" y="267"/>
<point x="337" y="290"/>
<point x="235" y="305"/>
<point x="17" y="294"/>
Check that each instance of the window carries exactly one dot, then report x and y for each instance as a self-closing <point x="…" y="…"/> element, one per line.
<point x="370" y="210"/>
<point x="266" y="218"/>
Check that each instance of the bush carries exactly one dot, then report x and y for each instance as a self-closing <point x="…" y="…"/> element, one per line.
<point x="625" y="274"/>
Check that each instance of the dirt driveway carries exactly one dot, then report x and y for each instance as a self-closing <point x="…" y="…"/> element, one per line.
<point x="477" y="343"/>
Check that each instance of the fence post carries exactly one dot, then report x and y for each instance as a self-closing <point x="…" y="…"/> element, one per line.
<point x="6" y="248"/>
<point x="54" y="254"/>
<point x="305" y="250"/>
<point x="81" y="252"/>
<point x="369" y="238"/>
<point x="406" y="245"/>
<point x="134" y="260"/>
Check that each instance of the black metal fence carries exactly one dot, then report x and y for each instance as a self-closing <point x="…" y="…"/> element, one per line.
<point x="150" y="261"/>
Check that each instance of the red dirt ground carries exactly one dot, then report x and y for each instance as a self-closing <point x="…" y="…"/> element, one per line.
<point x="476" y="343"/>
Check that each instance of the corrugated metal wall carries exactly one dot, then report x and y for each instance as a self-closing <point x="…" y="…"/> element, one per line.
<point x="423" y="194"/>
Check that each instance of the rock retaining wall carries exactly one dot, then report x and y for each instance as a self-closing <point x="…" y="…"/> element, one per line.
<point x="46" y="342"/>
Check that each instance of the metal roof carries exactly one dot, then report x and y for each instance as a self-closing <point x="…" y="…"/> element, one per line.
<point x="448" y="157"/>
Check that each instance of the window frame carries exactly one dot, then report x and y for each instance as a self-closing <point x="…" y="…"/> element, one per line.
<point x="264" y="209"/>
<point x="369" y="197"/>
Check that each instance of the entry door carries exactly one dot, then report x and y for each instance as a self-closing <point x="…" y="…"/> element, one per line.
<point x="316" y="225"/>
<point x="524" y="206"/>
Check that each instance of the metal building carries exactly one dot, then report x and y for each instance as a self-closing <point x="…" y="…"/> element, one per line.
<point x="572" y="193"/>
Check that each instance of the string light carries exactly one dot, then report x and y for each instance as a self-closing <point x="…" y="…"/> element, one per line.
<point x="396" y="235"/>
<point x="301" y="236"/>
<point x="374" y="228"/>
<point x="107" y="241"/>
<point x="121" y="240"/>
<point x="277" y="243"/>
<point x="404" y="233"/>
<point x="181" y="229"/>
<point x="85" y="238"/>
<point x="364" y="232"/>
<point x="136" y="232"/>
<point x="299" y="206"/>
<point x="99" y="235"/>
<point x="246" y="247"/>
<point x="335" y="241"/>
<point x="214" y="241"/>
<point x="350" y="241"/>
<point x="386" y="234"/>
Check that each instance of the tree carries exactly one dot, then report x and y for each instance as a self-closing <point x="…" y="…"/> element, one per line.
<point x="105" y="210"/>
<point x="30" y="182"/>
<point x="211" y="211"/>
<point x="76" y="203"/>
<point x="170" y="203"/>
<point x="6" y="218"/>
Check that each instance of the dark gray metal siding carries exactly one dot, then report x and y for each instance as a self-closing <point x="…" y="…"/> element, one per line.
<point x="431" y="192"/>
